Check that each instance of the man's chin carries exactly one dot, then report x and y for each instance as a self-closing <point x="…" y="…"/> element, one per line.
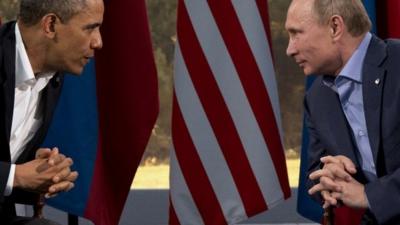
<point x="75" y="71"/>
<point x="307" y="71"/>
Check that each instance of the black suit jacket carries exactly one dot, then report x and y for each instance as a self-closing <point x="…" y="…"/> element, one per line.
<point x="330" y="133"/>
<point x="7" y="89"/>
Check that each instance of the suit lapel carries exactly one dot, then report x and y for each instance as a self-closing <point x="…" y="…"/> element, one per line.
<point x="48" y="103"/>
<point x="51" y="94"/>
<point x="337" y="124"/>
<point x="9" y="79"/>
<point x="373" y="77"/>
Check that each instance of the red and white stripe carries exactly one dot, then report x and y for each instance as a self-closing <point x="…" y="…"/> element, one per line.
<point x="227" y="162"/>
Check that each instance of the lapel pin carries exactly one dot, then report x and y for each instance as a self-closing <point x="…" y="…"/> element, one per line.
<point x="377" y="81"/>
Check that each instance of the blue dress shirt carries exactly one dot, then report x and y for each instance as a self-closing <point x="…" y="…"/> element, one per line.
<point x="348" y="85"/>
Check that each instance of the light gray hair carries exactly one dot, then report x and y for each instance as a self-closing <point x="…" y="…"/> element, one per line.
<point x="352" y="11"/>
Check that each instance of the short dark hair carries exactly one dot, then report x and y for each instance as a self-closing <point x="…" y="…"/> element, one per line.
<point x="32" y="11"/>
<point x="352" y="11"/>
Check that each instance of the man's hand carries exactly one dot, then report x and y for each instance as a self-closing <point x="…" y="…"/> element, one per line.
<point x="64" y="185"/>
<point x="48" y="174"/>
<point x="341" y="161"/>
<point x="336" y="183"/>
<point x="53" y="156"/>
<point x="352" y="194"/>
<point x="335" y="167"/>
<point x="37" y="175"/>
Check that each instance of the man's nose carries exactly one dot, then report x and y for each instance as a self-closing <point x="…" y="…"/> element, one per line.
<point x="291" y="50"/>
<point x="97" y="42"/>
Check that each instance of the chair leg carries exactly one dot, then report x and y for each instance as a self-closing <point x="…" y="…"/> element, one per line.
<point x="72" y="220"/>
<point x="38" y="208"/>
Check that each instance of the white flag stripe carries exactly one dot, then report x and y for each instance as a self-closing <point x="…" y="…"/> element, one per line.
<point x="205" y="142"/>
<point x="254" y="30"/>
<point x="181" y="198"/>
<point x="235" y="98"/>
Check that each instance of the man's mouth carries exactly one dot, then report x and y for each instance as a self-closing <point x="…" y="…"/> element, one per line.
<point x="301" y="63"/>
<point x="87" y="58"/>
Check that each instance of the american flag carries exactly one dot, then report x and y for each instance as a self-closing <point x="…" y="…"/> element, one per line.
<point x="227" y="162"/>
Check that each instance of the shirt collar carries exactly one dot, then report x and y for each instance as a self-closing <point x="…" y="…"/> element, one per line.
<point x="353" y="67"/>
<point x="23" y="68"/>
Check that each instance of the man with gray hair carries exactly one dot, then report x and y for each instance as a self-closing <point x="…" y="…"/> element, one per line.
<point x="50" y="37"/>
<point x="352" y="109"/>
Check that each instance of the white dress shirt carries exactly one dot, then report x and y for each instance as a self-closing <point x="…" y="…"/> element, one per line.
<point x="27" y="115"/>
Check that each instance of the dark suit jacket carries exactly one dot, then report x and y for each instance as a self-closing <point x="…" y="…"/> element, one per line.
<point x="7" y="88"/>
<point x="330" y="133"/>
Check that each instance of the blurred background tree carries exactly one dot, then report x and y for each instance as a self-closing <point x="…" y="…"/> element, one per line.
<point x="162" y="17"/>
<point x="290" y="79"/>
<point x="8" y="9"/>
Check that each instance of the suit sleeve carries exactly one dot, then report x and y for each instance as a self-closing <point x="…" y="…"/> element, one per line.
<point x="315" y="150"/>
<point x="17" y="196"/>
<point x="384" y="198"/>
<point x="4" y="172"/>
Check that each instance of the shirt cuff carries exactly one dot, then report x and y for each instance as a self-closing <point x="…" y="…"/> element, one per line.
<point x="10" y="181"/>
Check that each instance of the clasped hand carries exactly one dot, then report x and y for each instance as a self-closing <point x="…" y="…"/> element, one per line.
<point x="336" y="183"/>
<point x="49" y="173"/>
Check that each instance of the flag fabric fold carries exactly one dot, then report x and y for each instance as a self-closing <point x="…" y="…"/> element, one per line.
<point x="227" y="162"/>
<point x="105" y="116"/>
<point x="392" y="18"/>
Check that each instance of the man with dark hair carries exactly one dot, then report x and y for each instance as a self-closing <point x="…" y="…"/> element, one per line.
<point x="352" y="109"/>
<point x="49" y="38"/>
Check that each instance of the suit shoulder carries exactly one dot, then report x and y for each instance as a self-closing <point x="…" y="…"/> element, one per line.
<point x="393" y="42"/>
<point x="393" y="46"/>
<point x="393" y="54"/>
<point x="7" y="31"/>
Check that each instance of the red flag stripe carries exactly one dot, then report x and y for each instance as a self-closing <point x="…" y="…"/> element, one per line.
<point x="241" y="53"/>
<point x="262" y="6"/>
<point x="393" y="18"/>
<point x="173" y="219"/>
<point x="193" y="171"/>
<point x="218" y="114"/>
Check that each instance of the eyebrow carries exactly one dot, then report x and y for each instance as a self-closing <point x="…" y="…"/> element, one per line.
<point x="91" y="26"/>
<point x="292" y="30"/>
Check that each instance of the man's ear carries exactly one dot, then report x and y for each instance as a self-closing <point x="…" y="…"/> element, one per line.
<point x="336" y="27"/>
<point x="49" y="22"/>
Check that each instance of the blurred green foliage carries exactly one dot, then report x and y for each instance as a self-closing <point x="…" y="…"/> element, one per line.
<point x="8" y="9"/>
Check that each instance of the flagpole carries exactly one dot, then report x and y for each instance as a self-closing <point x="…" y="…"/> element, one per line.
<point x="72" y="220"/>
